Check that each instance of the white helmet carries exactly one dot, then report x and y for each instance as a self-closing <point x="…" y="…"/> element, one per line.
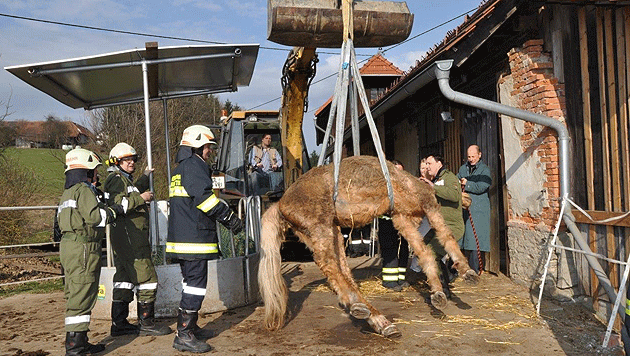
<point x="120" y="151"/>
<point x="196" y="136"/>
<point x="80" y="158"/>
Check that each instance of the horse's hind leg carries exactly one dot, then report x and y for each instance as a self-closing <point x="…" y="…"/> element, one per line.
<point x="362" y="309"/>
<point x="323" y="242"/>
<point x="426" y="258"/>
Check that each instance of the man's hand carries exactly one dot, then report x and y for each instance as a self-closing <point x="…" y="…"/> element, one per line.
<point x="148" y="171"/>
<point x="426" y="181"/>
<point x="463" y="182"/>
<point x="147" y="196"/>
<point x="274" y="168"/>
<point x="235" y="224"/>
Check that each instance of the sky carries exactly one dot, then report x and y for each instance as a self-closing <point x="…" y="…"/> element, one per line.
<point x="228" y="21"/>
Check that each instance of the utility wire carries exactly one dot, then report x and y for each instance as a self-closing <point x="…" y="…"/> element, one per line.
<point x="143" y="34"/>
<point x="216" y="42"/>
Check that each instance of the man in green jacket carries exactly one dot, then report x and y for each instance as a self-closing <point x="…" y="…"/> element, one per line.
<point x="131" y="245"/>
<point x="449" y="194"/>
<point x="82" y="218"/>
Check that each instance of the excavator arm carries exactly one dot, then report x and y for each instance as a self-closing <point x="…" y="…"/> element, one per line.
<point x="297" y="74"/>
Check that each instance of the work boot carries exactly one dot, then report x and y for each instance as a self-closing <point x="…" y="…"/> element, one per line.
<point x="120" y="325"/>
<point x="185" y="340"/>
<point x="146" y="320"/>
<point x="444" y="279"/>
<point x="77" y="344"/>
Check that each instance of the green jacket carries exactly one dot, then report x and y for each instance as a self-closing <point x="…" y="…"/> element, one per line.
<point x="81" y="216"/>
<point x="449" y="194"/>
<point x="120" y="190"/>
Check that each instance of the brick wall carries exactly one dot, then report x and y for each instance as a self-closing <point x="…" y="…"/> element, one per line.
<point x="538" y="91"/>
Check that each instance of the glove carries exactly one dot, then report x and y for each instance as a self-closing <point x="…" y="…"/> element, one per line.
<point x="234" y="224"/>
<point x="117" y="210"/>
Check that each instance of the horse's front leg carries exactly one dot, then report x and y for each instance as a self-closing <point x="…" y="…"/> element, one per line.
<point x="426" y="258"/>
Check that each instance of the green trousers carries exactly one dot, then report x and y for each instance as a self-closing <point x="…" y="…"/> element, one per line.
<point x="81" y="263"/>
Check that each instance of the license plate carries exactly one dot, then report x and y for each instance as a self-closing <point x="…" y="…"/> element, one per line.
<point x="218" y="182"/>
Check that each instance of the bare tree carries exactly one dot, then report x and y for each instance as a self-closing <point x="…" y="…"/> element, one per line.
<point x="126" y="124"/>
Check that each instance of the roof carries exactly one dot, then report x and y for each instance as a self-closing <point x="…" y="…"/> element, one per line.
<point x="117" y="78"/>
<point x="377" y="65"/>
<point x="38" y="130"/>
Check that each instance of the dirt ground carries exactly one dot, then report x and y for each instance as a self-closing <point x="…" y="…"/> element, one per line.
<point x="497" y="317"/>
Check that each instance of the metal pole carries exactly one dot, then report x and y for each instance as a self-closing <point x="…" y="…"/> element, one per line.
<point x="147" y="127"/>
<point x="166" y="137"/>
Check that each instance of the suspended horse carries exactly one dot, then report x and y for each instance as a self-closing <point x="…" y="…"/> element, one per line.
<point x="307" y="207"/>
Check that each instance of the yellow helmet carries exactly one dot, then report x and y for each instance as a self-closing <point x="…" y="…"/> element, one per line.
<point x="80" y="158"/>
<point x="120" y="151"/>
<point x="196" y="136"/>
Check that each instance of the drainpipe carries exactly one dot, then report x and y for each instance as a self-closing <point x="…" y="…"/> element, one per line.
<point x="442" y="71"/>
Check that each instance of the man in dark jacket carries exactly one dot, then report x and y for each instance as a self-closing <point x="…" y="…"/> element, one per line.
<point x="192" y="236"/>
<point x="449" y="194"/>
<point x="475" y="178"/>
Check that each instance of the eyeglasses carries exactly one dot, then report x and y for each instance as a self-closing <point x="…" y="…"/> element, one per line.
<point x="130" y="158"/>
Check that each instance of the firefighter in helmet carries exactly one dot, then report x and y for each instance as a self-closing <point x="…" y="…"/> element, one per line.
<point x="82" y="217"/>
<point x="192" y="237"/>
<point x="131" y="245"/>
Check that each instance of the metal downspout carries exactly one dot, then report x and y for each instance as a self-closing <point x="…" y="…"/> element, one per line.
<point x="442" y="71"/>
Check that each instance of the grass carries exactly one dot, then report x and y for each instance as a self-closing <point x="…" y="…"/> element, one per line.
<point x="47" y="166"/>
<point x="49" y="286"/>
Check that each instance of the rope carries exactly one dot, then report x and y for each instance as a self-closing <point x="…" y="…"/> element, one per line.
<point x="476" y="240"/>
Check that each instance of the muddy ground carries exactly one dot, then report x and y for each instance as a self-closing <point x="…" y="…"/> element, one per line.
<point x="497" y="317"/>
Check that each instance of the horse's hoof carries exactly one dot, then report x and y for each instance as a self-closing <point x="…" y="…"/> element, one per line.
<point x="471" y="277"/>
<point x="391" y="331"/>
<point x="360" y="311"/>
<point x="438" y="300"/>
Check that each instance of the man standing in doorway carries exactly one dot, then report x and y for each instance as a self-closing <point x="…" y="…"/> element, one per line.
<point x="475" y="178"/>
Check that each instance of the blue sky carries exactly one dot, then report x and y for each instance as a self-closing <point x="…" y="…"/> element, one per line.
<point x="229" y="21"/>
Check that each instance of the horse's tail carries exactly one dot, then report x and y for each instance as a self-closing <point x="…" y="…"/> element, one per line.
<point x="271" y="283"/>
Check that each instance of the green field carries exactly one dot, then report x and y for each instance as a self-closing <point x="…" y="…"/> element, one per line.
<point x="47" y="166"/>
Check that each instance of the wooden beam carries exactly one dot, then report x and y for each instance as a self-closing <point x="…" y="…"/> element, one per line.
<point x="588" y="133"/>
<point x="152" y="70"/>
<point x="601" y="215"/>
<point x="611" y="146"/>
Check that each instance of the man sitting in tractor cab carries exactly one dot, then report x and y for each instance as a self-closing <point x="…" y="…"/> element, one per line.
<point x="265" y="162"/>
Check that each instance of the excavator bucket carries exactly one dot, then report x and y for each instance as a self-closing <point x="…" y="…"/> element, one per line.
<point x="319" y="23"/>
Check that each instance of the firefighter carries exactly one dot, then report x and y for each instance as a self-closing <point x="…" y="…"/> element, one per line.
<point x="81" y="218"/>
<point x="394" y="250"/>
<point x="192" y="237"/>
<point x="131" y="245"/>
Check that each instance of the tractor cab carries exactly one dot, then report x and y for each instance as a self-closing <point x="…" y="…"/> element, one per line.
<point x="240" y="151"/>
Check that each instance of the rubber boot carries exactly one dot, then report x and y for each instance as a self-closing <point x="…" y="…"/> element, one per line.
<point x="185" y="339"/>
<point x="444" y="279"/>
<point x="120" y="325"/>
<point x="77" y="344"/>
<point x="146" y="320"/>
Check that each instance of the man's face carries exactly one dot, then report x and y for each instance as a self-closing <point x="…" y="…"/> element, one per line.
<point x="207" y="150"/>
<point x="266" y="140"/>
<point x="433" y="166"/>
<point x="128" y="164"/>
<point x="473" y="155"/>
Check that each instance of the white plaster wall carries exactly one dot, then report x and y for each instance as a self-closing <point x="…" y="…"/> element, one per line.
<point x="523" y="170"/>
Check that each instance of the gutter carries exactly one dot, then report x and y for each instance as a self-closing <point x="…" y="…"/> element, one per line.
<point x="441" y="71"/>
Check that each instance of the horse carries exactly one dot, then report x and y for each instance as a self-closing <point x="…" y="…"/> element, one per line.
<point x="307" y="207"/>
